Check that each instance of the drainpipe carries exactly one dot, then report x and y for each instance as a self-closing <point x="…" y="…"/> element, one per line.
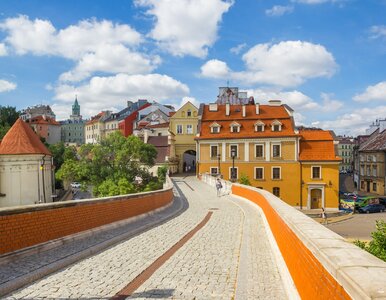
<point x="39" y="183"/>
<point x="43" y="183"/>
<point x="301" y="186"/>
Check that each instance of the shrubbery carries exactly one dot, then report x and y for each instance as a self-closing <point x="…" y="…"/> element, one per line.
<point x="377" y="246"/>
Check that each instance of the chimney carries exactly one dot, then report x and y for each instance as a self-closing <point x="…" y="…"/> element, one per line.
<point x="274" y="102"/>
<point x="257" y="105"/>
<point x="145" y="135"/>
<point x="212" y="106"/>
<point x="227" y="108"/>
<point x="244" y="110"/>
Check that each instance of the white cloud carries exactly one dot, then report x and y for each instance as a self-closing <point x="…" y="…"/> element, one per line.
<point x="284" y="64"/>
<point x="186" y="27"/>
<point x="6" y="86"/>
<point x="295" y="99"/>
<point x="279" y="10"/>
<point x="372" y="92"/>
<point x="215" y="68"/>
<point x="378" y="31"/>
<point x="330" y="104"/>
<point x="192" y="100"/>
<point x="102" y="93"/>
<point x="237" y="49"/>
<point x="3" y="50"/>
<point x="112" y="59"/>
<point x="96" y="46"/>
<point x="355" y="122"/>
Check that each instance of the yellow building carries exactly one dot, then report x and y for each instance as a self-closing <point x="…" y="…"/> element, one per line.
<point x="261" y="142"/>
<point x="183" y="125"/>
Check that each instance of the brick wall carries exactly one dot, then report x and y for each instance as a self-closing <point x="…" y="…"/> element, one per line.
<point x="312" y="280"/>
<point x="28" y="226"/>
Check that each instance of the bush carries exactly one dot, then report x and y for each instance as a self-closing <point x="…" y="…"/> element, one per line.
<point x="377" y="246"/>
<point x="244" y="179"/>
<point x="161" y="173"/>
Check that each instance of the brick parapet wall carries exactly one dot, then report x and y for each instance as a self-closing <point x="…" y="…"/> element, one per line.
<point x="322" y="264"/>
<point x="26" y="226"/>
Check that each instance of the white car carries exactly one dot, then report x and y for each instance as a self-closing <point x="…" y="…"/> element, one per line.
<point x="75" y="185"/>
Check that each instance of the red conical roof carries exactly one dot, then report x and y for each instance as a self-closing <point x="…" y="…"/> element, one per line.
<point x="21" y="139"/>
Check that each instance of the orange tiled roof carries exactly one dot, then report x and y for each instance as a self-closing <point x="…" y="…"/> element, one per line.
<point x="95" y="118"/>
<point x="317" y="145"/>
<point x="43" y="120"/>
<point x="21" y="139"/>
<point x="267" y="115"/>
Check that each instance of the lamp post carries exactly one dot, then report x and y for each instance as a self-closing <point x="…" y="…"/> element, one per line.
<point x="218" y="159"/>
<point x="233" y="155"/>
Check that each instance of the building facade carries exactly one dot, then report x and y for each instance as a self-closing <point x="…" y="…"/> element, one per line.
<point x="183" y="125"/>
<point x="47" y="128"/>
<point x="26" y="172"/>
<point x="37" y="110"/>
<point x="260" y="142"/>
<point x="345" y="151"/>
<point x="94" y="129"/>
<point x="72" y="130"/>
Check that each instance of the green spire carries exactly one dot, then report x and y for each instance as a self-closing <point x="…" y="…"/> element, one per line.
<point x="76" y="107"/>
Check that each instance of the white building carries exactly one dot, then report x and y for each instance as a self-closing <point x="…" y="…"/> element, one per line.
<point x="26" y="174"/>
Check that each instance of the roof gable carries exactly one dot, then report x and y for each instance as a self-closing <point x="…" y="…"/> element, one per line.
<point x="21" y="139"/>
<point x="184" y="108"/>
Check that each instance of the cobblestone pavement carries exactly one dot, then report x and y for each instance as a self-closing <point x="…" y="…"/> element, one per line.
<point x="230" y="257"/>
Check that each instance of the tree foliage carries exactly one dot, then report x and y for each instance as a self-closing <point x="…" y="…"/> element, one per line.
<point x="8" y="116"/>
<point x="111" y="166"/>
<point x="244" y="179"/>
<point x="377" y="246"/>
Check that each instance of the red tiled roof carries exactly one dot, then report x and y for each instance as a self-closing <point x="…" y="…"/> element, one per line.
<point x="21" y="139"/>
<point x="162" y="125"/>
<point x="317" y="145"/>
<point x="96" y="118"/>
<point x="43" y="120"/>
<point x="172" y="113"/>
<point x="267" y="114"/>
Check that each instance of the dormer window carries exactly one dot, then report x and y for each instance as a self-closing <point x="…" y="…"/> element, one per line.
<point x="189" y="113"/>
<point x="276" y="125"/>
<point x="215" y="127"/>
<point x="259" y="126"/>
<point x="235" y="127"/>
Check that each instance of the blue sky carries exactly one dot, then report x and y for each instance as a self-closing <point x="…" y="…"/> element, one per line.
<point x="324" y="58"/>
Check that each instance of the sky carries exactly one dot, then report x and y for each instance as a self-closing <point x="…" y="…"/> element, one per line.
<point x="324" y="58"/>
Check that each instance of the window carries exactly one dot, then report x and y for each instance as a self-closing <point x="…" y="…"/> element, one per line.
<point x="235" y="128"/>
<point x="259" y="173"/>
<point x="276" y="151"/>
<point x="276" y="191"/>
<point x="276" y="173"/>
<point x="189" y="129"/>
<point x="233" y="148"/>
<point x="316" y="173"/>
<point x="368" y="170"/>
<point x="374" y="186"/>
<point x="259" y="128"/>
<point x="375" y="171"/>
<point x="276" y="125"/>
<point x="259" y="151"/>
<point x="276" y="128"/>
<point x="213" y="151"/>
<point x="213" y="170"/>
<point x="233" y="172"/>
<point x="179" y="129"/>
<point x="362" y="170"/>
<point x="189" y="113"/>
<point x="215" y="129"/>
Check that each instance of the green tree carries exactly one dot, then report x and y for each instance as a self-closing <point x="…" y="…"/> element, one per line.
<point x="377" y="246"/>
<point x="8" y="116"/>
<point x="244" y="179"/>
<point x="161" y="173"/>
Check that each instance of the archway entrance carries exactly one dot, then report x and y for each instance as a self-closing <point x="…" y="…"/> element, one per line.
<point x="189" y="161"/>
<point x="316" y="198"/>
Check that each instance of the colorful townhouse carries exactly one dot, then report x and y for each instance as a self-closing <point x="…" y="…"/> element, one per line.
<point x="183" y="125"/>
<point x="262" y="143"/>
<point x="46" y="127"/>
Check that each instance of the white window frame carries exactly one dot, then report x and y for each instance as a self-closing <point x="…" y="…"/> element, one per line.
<point x="312" y="172"/>
<point x="182" y="129"/>
<point x="233" y="127"/>
<point x="230" y="172"/>
<point x="210" y="151"/>
<point x="189" y="113"/>
<point x="187" y="129"/>
<point x="255" y="173"/>
<point x="237" y="151"/>
<point x="211" y="168"/>
<point x="263" y="145"/>
<point x="278" y="123"/>
<point x="275" y="144"/>
<point x="375" y="168"/>
<point x="274" y="167"/>
<point x="213" y="127"/>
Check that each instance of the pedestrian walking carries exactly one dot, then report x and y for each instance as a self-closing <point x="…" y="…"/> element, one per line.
<point x="324" y="216"/>
<point x="218" y="187"/>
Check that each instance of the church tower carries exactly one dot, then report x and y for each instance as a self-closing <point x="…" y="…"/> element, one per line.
<point x="76" y="110"/>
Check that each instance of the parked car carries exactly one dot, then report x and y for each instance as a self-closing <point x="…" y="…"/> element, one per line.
<point x="75" y="185"/>
<point x="372" y="208"/>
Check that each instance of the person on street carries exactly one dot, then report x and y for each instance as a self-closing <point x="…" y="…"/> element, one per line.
<point x="324" y="216"/>
<point x="218" y="187"/>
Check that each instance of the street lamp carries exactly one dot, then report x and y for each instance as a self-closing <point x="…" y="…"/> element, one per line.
<point x="233" y="156"/>
<point x="218" y="159"/>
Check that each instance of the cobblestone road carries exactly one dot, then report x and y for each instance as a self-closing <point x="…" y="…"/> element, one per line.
<point x="230" y="257"/>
